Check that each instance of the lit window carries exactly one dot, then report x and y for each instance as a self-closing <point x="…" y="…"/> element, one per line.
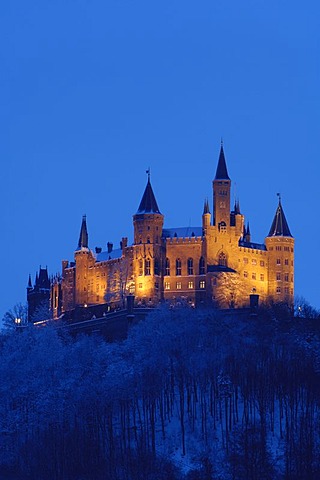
<point x="147" y="267"/>
<point x="167" y="285"/>
<point x="190" y="266"/>
<point x="254" y="261"/>
<point x="261" y="263"/>
<point x="190" y="284"/>
<point x="167" y="266"/>
<point x="202" y="266"/>
<point x="245" y="260"/>
<point x="222" y="225"/>
<point x="202" y="284"/>
<point x="261" y="277"/>
<point x="178" y="266"/>
<point x="178" y="285"/>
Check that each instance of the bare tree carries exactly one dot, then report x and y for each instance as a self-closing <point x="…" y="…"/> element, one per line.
<point x="15" y="317"/>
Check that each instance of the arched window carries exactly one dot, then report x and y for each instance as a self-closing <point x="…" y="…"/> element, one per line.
<point x="190" y="266"/>
<point x="147" y="267"/>
<point x="167" y="267"/>
<point x="140" y="267"/>
<point x="222" y="259"/>
<point x="202" y="267"/>
<point x="222" y="226"/>
<point x="148" y="239"/>
<point x="178" y="266"/>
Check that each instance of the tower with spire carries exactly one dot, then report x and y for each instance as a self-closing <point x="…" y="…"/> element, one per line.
<point x="280" y="245"/>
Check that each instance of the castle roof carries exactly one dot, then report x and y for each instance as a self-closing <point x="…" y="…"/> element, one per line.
<point x="279" y="227"/>
<point x="148" y="202"/>
<point x="222" y="172"/>
<point x="114" y="254"/>
<point x="182" y="232"/>
<point x="83" y="238"/>
<point x="252" y="245"/>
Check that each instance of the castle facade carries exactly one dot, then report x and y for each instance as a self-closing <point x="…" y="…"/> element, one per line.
<point x="214" y="263"/>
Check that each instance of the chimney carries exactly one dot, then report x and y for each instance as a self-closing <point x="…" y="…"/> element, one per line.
<point x="124" y="243"/>
<point x="98" y="249"/>
<point x="109" y="247"/>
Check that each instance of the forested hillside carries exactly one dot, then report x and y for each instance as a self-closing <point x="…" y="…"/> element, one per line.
<point x="189" y="395"/>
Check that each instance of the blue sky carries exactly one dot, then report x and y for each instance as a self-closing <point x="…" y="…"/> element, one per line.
<point x="92" y="93"/>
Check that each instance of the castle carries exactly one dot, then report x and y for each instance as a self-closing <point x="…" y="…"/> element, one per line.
<point x="215" y="263"/>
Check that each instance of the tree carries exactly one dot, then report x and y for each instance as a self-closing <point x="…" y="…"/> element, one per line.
<point x="16" y="317"/>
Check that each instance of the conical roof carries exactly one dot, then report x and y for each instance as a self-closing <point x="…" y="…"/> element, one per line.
<point x="83" y="238"/>
<point x="206" y="208"/>
<point x="279" y="225"/>
<point x="148" y="202"/>
<point x="222" y="172"/>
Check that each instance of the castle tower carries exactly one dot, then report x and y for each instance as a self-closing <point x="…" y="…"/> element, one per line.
<point x="83" y="260"/>
<point x="206" y="217"/>
<point x="38" y="296"/>
<point x="221" y="195"/>
<point x="148" y="223"/>
<point x="280" y="246"/>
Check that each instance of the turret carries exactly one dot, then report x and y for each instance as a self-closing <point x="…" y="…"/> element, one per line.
<point x="83" y="237"/>
<point x="221" y="194"/>
<point x="206" y="216"/>
<point x="247" y="237"/>
<point x="280" y="245"/>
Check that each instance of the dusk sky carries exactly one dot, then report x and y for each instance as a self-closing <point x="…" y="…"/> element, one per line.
<point x="93" y="92"/>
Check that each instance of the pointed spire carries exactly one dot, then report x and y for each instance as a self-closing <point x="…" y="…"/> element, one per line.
<point x="279" y="227"/>
<point x="222" y="172"/>
<point x="237" y="207"/>
<point x="29" y="287"/>
<point x="206" y="208"/>
<point x="148" y="202"/>
<point x="248" y="229"/>
<point x="36" y="280"/>
<point x="83" y="238"/>
<point x="244" y="232"/>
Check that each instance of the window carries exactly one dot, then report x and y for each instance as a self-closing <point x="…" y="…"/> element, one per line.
<point x="286" y="277"/>
<point x="254" y="261"/>
<point x="291" y="278"/>
<point x="278" y="261"/>
<point x="286" y="249"/>
<point x="278" y="249"/>
<point x="245" y="260"/>
<point x="140" y="267"/>
<point x="148" y="239"/>
<point x="286" y="290"/>
<point x="254" y="276"/>
<point x="222" y="225"/>
<point x="190" y="266"/>
<point x="278" y="289"/>
<point x="222" y="259"/>
<point x="286" y="261"/>
<point x="190" y="284"/>
<point x="271" y="248"/>
<point x="261" y="277"/>
<point x="202" y="266"/>
<point x="278" y="276"/>
<point x="261" y="263"/>
<point x="147" y="267"/>
<point x="140" y="285"/>
<point x="202" y="284"/>
<point x="245" y="274"/>
<point x="178" y="266"/>
<point x="178" y="285"/>
<point x="167" y="268"/>
<point x="167" y="285"/>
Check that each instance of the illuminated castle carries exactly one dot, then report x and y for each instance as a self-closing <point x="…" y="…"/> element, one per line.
<point x="215" y="263"/>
